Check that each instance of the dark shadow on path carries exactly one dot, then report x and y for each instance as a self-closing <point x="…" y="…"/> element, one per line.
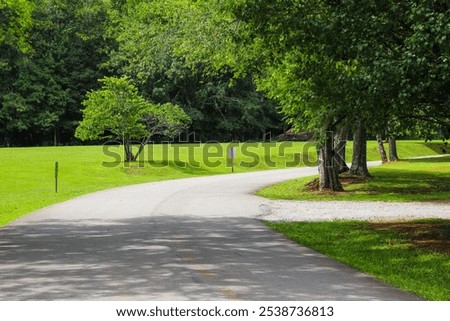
<point x="171" y="258"/>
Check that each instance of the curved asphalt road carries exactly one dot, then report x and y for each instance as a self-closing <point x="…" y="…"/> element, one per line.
<point x="188" y="239"/>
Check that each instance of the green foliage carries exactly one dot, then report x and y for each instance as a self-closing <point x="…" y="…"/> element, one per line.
<point x="402" y="49"/>
<point x="425" y="62"/>
<point x="229" y="64"/>
<point x="152" y="42"/>
<point x="15" y="22"/>
<point x="335" y="64"/>
<point x="117" y="108"/>
<point x="328" y="62"/>
<point x="42" y="89"/>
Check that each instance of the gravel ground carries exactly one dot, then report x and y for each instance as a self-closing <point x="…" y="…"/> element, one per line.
<point x="346" y="210"/>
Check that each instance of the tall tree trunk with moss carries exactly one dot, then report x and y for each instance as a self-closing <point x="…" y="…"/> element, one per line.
<point x="359" y="159"/>
<point x="328" y="176"/>
<point x="393" y="157"/>
<point x="381" y="148"/>
<point x="340" y="142"/>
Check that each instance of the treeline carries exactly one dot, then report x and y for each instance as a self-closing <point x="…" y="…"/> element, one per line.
<point x="52" y="52"/>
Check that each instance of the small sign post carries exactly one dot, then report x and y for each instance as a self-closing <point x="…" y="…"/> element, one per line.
<point x="56" y="177"/>
<point x="232" y="156"/>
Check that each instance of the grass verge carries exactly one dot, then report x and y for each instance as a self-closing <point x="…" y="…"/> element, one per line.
<point x="404" y="181"/>
<point x="413" y="256"/>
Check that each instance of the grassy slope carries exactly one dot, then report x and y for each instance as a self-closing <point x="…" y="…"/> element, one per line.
<point x="386" y="253"/>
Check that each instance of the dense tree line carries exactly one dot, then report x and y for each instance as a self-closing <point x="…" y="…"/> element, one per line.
<point x="42" y="87"/>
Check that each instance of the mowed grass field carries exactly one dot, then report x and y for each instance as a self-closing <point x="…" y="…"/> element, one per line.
<point x="27" y="175"/>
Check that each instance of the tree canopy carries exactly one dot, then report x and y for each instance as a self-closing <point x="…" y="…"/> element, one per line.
<point x="119" y="112"/>
<point x="42" y="89"/>
<point x="15" y="22"/>
<point x="331" y="64"/>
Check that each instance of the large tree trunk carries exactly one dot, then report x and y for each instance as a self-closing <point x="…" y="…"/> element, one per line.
<point x="328" y="176"/>
<point x="383" y="154"/>
<point x="393" y="157"/>
<point x="340" y="142"/>
<point x="359" y="159"/>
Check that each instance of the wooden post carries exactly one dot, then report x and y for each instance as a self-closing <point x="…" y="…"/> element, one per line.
<point x="56" y="176"/>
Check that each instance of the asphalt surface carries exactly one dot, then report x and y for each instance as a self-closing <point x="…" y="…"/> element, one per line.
<point x="188" y="239"/>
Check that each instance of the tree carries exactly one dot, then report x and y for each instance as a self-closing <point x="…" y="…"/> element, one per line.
<point x="288" y="46"/>
<point x="334" y="62"/>
<point x="119" y="110"/>
<point x="149" y="40"/>
<point x="381" y="149"/>
<point x="359" y="157"/>
<point x="15" y="24"/>
<point x="403" y="50"/>
<point x="340" y="142"/>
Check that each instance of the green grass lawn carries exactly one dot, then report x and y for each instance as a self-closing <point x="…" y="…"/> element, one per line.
<point x="27" y="174"/>
<point x="404" y="181"/>
<point x="413" y="256"/>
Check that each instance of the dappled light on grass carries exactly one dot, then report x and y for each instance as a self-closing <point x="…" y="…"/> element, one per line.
<point x="388" y="251"/>
<point x="432" y="235"/>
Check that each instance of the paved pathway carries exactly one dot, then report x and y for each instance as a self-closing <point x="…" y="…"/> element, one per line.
<point x="189" y="239"/>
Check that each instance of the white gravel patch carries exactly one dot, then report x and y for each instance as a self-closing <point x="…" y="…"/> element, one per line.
<point x="280" y="210"/>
